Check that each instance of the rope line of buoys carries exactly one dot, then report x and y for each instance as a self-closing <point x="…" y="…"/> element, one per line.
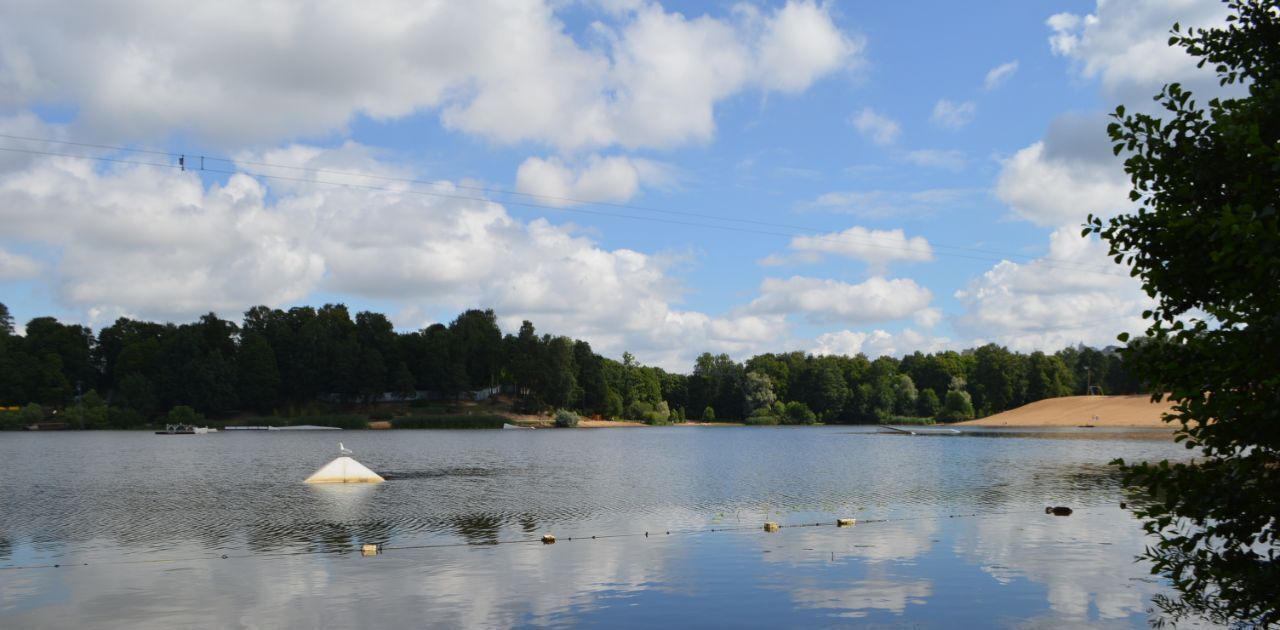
<point x="374" y="549"/>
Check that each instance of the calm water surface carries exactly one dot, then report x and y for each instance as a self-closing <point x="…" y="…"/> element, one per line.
<point x="952" y="529"/>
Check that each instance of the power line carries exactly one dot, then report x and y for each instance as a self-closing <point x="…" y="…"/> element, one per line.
<point x="806" y="232"/>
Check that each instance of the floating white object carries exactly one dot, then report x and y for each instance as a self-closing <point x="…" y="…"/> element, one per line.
<point x="846" y="522"/>
<point x="344" y="470"/>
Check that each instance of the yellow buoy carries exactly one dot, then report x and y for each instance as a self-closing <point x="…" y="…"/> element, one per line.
<point x="548" y="539"/>
<point x="846" y="522"/>
<point x="369" y="549"/>
<point x="771" y="526"/>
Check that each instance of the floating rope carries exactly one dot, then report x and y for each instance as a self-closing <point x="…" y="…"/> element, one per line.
<point x="522" y="541"/>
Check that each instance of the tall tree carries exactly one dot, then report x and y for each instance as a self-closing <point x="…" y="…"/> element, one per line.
<point x="257" y="373"/>
<point x="477" y="347"/>
<point x="1205" y="245"/>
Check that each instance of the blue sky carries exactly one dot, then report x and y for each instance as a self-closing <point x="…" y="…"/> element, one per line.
<point x="661" y="178"/>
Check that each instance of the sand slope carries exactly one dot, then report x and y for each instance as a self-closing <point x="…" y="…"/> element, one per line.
<point x="1070" y="411"/>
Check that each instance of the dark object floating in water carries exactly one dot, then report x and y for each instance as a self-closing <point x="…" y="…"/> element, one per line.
<point x="1058" y="511"/>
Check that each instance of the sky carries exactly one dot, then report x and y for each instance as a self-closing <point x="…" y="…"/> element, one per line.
<point x="661" y="178"/>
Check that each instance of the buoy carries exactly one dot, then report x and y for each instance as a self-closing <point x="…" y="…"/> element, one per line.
<point x="771" y="526"/>
<point x="846" y="522"/>
<point x="370" y="549"/>
<point x="548" y="539"/>
<point x="1058" y="511"/>
<point x="344" y="470"/>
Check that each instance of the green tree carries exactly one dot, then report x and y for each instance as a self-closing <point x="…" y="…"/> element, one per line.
<point x="904" y="395"/>
<point x="957" y="407"/>
<point x="6" y="321"/>
<point x="999" y="379"/>
<point x="798" y="413"/>
<point x="89" y="412"/>
<point x="612" y="404"/>
<point x="31" y="414"/>
<point x="182" y="414"/>
<point x="257" y="372"/>
<point x="927" y="404"/>
<point x="402" y="381"/>
<point x="560" y="380"/>
<point x="566" y="419"/>
<point x="758" y="392"/>
<point x="827" y="389"/>
<point x="136" y="392"/>
<point x="1204" y="243"/>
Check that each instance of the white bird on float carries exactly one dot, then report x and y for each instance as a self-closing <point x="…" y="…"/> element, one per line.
<point x="344" y="450"/>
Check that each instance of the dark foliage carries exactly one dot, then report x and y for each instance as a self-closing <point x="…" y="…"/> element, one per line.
<point x="1205" y="242"/>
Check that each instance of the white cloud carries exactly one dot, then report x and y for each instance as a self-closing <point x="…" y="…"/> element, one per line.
<point x="879" y="129"/>
<point x="241" y="72"/>
<point x="952" y="115"/>
<point x="928" y="317"/>
<point x="1072" y="295"/>
<point x="157" y="244"/>
<point x="17" y="266"/>
<point x="612" y="179"/>
<point x="1072" y="172"/>
<point x="1055" y="192"/>
<point x="999" y="74"/>
<point x="1125" y="44"/>
<point x="947" y="159"/>
<point x="877" y="204"/>
<point x="826" y="300"/>
<point x="877" y="248"/>
<point x="1066" y="176"/>
<point x="877" y="343"/>
<point x="799" y="44"/>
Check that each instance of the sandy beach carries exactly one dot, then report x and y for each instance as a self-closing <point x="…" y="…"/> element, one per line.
<point x="1073" y="411"/>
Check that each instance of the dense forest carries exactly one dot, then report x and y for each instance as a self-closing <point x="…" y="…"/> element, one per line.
<point x="281" y="362"/>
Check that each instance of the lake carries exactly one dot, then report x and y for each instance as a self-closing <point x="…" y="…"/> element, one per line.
<point x="654" y="527"/>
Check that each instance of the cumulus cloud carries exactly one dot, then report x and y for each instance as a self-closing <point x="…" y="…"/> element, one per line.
<point x="613" y="179"/>
<point x="1072" y="172"/>
<point x="825" y="301"/>
<point x="799" y="44"/>
<point x="877" y="248"/>
<point x="1125" y="45"/>
<point x="1066" y="176"/>
<point x="952" y="115"/>
<point x="1072" y="295"/>
<point x="999" y="74"/>
<point x="878" y="128"/>
<point x="877" y="343"/>
<point x="159" y="244"/>
<point x="242" y="72"/>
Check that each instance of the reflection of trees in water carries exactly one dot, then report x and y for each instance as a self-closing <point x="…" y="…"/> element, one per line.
<point x="6" y="548"/>
<point x="477" y="529"/>
<point x="325" y="537"/>
<point x="528" y="523"/>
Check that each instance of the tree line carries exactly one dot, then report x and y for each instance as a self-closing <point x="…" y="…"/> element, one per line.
<point x="281" y="362"/>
